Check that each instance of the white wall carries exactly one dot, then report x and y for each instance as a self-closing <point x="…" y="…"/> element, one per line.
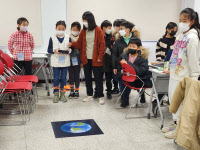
<point x="52" y="11"/>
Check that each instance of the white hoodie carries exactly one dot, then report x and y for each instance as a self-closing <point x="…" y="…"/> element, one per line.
<point x="185" y="56"/>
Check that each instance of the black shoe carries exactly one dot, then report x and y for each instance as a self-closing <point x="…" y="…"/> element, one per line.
<point x="142" y="99"/>
<point x="95" y="95"/>
<point x="123" y="105"/>
<point x="76" y="94"/>
<point x="115" y="91"/>
<point x="154" y="105"/>
<point x="109" y="96"/>
<point x="71" y="95"/>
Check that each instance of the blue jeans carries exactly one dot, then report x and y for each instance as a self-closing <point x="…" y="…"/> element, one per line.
<point x="59" y="74"/>
<point x="125" y="95"/>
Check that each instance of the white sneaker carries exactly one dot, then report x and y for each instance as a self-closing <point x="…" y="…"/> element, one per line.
<point x="88" y="98"/>
<point x="171" y="134"/>
<point x="169" y="128"/>
<point x="101" y="101"/>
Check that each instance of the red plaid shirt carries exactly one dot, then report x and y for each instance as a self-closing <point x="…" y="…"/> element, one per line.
<point x="21" y="42"/>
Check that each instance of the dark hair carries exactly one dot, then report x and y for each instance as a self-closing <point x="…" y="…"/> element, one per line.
<point x="20" y="21"/>
<point x="106" y="24"/>
<point x="76" y="24"/>
<point x="170" y="25"/>
<point x="135" y="40"/>
<point x="90" y="19"/>
<point x="193" y="16"/>
<point x="118" y="22"/>
<point x="128" y="25"/>
<point x="60" y="23"/>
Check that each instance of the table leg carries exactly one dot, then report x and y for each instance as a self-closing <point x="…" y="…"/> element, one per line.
<point x="46" y="80"/>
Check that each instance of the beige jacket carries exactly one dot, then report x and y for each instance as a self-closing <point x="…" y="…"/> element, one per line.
<point x="188" y="127"/>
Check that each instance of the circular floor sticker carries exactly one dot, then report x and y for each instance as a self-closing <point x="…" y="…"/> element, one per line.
<point x="76" y="127"/>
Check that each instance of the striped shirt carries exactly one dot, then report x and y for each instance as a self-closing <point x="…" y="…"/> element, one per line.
<point x="21" y="42"/>
<point x="163" y="45"/>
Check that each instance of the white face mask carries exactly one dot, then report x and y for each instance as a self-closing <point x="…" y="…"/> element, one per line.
<point x="85" y="24"/>
<point x="183" y="27"/>
<point x="108" y="31"/>
<point x="60" y="33"/>
<point x="75" y="33"/>
<point x="24" y="28"/>
<point x="122" y="32"/>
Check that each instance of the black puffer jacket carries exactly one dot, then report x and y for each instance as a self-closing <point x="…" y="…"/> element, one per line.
<point x="117" y="51"/>
<point x="140" y="64"/>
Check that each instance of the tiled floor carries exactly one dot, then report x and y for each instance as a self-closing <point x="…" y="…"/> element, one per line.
<point x="119" y="133"/>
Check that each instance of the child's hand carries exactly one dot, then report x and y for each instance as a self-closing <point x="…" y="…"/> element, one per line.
<point x="56" y="50"/>
<point x="81" y="65"/>
<point x="166" y="72"/>
<point x="68" y="51"/>
<point x="69" y="44"/>
<point x="154" y="63"/>
<point x="123" y="61"/>
<point x="98" y="60"/>
<point x="115" y="71"/>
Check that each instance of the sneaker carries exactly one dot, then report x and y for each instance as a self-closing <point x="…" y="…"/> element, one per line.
<point x="56" y="97"/>
<point x="76" y="94"/>
<point x="169" y="128"/>
<point x="171" y="134"/>
<point x="101" y="101"/>
<point x="71" y="95"/>
<point x="88" y="98"/>
<point x="115" y="91"/>
<point x="109" y="96"/>
<point x="95" y="95"/>
<point x="62" y="97"/>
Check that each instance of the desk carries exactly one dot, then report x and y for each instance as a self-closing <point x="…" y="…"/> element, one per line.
<point x="160" y="82"/>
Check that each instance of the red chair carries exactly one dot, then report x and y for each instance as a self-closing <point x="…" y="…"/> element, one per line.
<point x="129" y="75"/>
<point x="13" y="77"/>
<point x="23" y="91"/>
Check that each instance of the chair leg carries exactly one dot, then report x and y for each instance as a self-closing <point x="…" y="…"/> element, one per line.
<point x="120" y="97"/>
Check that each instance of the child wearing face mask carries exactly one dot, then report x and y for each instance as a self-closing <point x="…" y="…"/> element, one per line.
<point x="107" y="60"/>
<point x="74" y="69"/>
<point x="21" y="46"/>
<point x="184" y="61"/>
<point x="165" y="46"/>
<point x="127" y="32"/>
<point x="136" y="56"/>
<point x="60" y="60"/>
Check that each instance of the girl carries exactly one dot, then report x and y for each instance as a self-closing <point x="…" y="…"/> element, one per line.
<point x="92" y="45"/>
<point x="137" y="57"/>
<point x="164" y="48"/>
<point x="21" y="45"/>
<point x="60" y="60"/>
<point x="74" y="69"/>
<point x="185" y="57"/>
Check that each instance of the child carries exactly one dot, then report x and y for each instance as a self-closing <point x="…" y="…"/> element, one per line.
<point x="74" y="69"/>
<point x="107" y="60"/>
<point x="185" y="58"/>
<point x="137" y="57"/>
<point x="126" y="33"/>
<point x="164" y="48"/>
<point x="21" y="46"/>
<point x="59" y="60"/>
<point x="92" y="45"/>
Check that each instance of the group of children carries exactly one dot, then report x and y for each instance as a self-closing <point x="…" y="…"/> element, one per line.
<point x="101" y="50"/>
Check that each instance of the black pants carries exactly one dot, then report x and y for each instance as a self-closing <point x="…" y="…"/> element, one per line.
<point x="74" y="76"/>
<point x="108" y="76"/>
<point x="27" y="65"/>
<point x="98" y="77"/>
<point x="115" y="81"/>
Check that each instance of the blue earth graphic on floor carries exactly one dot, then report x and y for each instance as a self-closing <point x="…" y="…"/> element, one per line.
<point x="76" y="127"/>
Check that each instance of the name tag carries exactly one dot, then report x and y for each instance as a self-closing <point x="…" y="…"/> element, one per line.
<point x="74" y="61"/>
<point x="61" y="59"/>
<point x="20" y="56"/>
